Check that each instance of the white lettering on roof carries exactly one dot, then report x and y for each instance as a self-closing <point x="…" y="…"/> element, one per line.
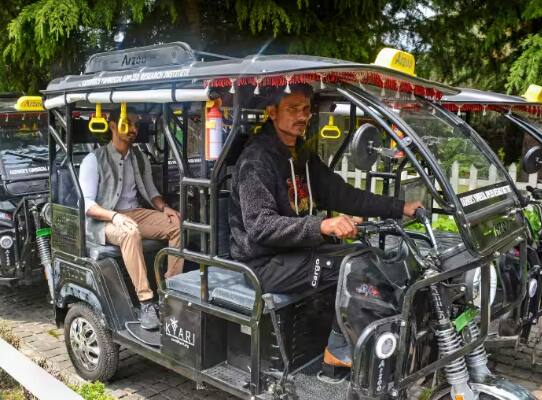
<point x="136" y="77"/>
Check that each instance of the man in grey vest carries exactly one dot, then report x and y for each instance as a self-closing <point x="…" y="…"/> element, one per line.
<point x="117" y="183"/>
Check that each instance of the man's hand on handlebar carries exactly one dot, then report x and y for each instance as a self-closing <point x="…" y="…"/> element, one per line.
<point x="410" y="208"/>
<point x="342" y="227"/>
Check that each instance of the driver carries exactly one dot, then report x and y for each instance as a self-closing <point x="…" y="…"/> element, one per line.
<point x="117" y="186"/>
<point x="277" y="185"/>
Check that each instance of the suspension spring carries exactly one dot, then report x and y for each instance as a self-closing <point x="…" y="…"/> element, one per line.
<point x="43" y="250"/>
<point x="478" y="357"/>
<point x="449" y="342"/>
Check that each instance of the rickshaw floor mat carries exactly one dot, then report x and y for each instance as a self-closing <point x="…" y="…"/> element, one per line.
<point x="310" y="386"/>
<point x="150" y="338"/>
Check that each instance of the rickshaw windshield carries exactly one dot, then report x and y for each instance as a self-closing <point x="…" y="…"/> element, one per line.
<point x="482" y="188"/>
<point x="457" y="153"/>
<point x="20" y="131"/>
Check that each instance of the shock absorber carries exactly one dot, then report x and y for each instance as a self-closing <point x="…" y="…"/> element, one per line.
<point x="449" y="341"/>
<point x="477" y="359"/>
<point x="44" y="250"/>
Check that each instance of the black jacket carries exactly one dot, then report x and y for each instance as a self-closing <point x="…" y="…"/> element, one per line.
<point x="263" y="217"/>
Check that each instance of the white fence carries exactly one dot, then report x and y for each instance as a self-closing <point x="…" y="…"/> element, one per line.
<point x="456" y="179"/>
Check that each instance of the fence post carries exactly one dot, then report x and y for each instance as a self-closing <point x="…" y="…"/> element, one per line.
<point x="533" y="179"/>
<point x="357" y="178"/>
<point x="344" y="168"/>
<point x="454" y="179"/>
<point x="492" y="174"/>
<point x="473" y="177"/>
<point x="512" y="170"/>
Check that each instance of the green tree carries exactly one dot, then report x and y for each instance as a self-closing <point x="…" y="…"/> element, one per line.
<point x="491" y="45"/>
<point x="48" y="38"/>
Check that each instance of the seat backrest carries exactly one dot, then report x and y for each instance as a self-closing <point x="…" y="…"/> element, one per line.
<point x="223" y="232"/>
<point x="63" y="189"/>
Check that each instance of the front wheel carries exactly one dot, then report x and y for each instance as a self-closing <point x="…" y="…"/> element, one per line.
<point x="89" y="344"/>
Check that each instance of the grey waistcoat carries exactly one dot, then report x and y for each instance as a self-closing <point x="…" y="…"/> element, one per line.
<point x="110" y="187"/>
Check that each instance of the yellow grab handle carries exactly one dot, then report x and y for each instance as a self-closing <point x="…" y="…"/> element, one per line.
<point x="123" y="126"/>
<point x="258" y="128"/>
<point x="98" y="124"/>
<point x="330" y="131"/>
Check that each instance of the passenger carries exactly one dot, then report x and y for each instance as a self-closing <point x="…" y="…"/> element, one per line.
<point x="277" y="184"/>
<point x="118" y="188"/>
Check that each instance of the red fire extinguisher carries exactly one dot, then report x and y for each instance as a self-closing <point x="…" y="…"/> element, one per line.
<point x="398" y="153"/>
<point x="213" y="130"/>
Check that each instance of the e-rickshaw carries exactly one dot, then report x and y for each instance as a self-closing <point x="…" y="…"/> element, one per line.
<point x="217" y="326"/>
<point x="24" y="188"/>
<point x="519" y="290"/>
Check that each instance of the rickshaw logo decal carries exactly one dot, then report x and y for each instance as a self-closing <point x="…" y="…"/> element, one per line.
<point x="485" y="195"/>
<point x="179" y="335"/>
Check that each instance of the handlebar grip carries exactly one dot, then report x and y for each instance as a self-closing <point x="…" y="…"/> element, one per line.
<point x="420" y="214"/>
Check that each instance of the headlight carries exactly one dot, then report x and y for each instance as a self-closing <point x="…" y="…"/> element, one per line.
<point x="533" y="287"/>
<point x="45" y="213"/>
<point x="385" y="345"/>
<point x="476" y="285"/>
<point x="6" y="242"/>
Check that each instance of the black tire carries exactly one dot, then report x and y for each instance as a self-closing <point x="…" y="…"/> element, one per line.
<point x="84" y="333"/>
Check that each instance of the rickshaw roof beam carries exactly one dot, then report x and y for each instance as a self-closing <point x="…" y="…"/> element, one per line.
<point x="130" y="96"/>
<point x="532" y="130"/>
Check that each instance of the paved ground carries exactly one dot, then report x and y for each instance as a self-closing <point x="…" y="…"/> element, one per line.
<point x="31" y="319"/>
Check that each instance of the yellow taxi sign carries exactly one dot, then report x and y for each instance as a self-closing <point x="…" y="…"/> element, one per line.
<point x="397" y="60"/>
<point x="29" y="103"/>
<point x="533" y="94"/>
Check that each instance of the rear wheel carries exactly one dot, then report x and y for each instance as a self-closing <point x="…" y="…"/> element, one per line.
<point x="89" y="344"/>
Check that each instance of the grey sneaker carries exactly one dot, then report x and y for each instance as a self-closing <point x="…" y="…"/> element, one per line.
<point x="148" y="316"/>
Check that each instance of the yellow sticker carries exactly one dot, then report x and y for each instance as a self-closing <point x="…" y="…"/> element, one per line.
<point x="210" y="125"/>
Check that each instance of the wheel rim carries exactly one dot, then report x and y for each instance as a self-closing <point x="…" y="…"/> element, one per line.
<point x="84" y="343"/>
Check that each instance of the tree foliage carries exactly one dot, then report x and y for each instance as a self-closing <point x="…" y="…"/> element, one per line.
<point x="493" y="45"/>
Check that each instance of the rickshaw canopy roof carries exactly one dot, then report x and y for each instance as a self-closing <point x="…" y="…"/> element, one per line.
<point x="258" y="70"/>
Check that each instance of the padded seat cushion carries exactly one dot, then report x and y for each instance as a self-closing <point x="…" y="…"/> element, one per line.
<point x="240" y="297"/>
<point x="190" y="282"/>
<point x="99" y="252"/>
<point x="226" y="288"/>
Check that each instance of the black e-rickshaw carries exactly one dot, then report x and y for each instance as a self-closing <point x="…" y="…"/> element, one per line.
<point x="24" y="191"/>
<point x="519" y="290"/>
<point x="217" y="326"/>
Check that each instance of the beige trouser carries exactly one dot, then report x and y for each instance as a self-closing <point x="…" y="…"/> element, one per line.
<point x="151" y="224"/>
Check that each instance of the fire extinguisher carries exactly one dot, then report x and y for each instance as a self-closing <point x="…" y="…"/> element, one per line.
<point x="398" y="153"/>
<point x="213" y="130"/>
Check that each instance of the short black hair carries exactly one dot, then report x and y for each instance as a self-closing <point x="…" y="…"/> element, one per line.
<point x="275" y="94"/>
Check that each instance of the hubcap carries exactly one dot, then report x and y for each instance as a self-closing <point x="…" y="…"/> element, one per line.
<point x="85" y="343"/>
